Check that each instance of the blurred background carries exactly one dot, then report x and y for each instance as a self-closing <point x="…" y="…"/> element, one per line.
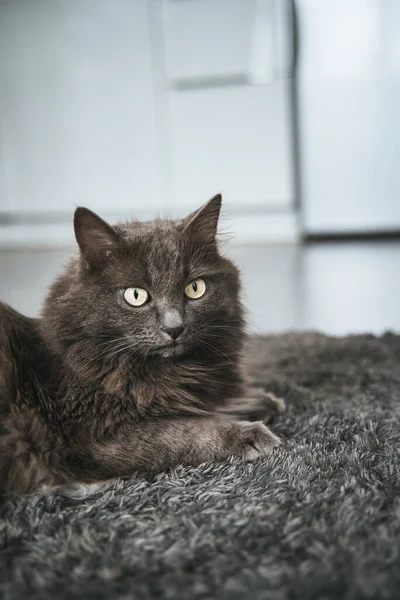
<point x="140" y="108"/>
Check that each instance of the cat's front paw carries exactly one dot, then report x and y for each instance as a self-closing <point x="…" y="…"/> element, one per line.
<point x="257" y="405"/>
<point x="267" y="406"/>
<point x="254" y="440"/>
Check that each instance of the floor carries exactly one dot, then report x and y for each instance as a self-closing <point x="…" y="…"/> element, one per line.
<point x="337" y="288"/>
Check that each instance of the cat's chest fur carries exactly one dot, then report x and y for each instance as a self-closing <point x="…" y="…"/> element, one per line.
<point x="101" y="407"/>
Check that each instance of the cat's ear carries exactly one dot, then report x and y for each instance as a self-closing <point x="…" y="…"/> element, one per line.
<point x="96" y="239"/>
<point x="203" y="223"/>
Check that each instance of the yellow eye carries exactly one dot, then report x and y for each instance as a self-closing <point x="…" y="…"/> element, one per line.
<point x="195" y="289"/>
<point x="136" y="296"/>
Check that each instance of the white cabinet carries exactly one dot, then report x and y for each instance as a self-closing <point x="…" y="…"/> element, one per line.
<point x="77" y="122"/>
<point x="138" y="107"/>
<point x="228" y="68"/>
<point x="234" y="140"/>
<point x="349" y="96"/>
<point x="208" y="38"/>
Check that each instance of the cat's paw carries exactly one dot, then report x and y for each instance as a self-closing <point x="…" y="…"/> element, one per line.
<point x="254" y="440"/>
<point x="267" y="406"/>
<point x="258" y="405"/>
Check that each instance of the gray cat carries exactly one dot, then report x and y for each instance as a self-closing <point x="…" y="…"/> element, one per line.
<point x="135" y="363"/>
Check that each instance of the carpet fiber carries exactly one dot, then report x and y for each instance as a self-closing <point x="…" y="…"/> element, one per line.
<point x="318" y="519"/>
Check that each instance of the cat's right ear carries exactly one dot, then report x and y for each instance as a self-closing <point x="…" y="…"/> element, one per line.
<point x="96" y="239"/>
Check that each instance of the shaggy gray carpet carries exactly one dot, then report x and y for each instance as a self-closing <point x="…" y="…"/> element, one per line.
<point x="320" y="519"/>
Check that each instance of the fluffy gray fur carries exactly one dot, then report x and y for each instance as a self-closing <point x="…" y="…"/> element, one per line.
<point x="318" y="519"/>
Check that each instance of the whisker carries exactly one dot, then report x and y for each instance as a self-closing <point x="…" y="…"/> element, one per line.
<point x="215" y="350"/>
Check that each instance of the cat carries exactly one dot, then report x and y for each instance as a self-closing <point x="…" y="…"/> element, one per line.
<point x="135" y="364"/>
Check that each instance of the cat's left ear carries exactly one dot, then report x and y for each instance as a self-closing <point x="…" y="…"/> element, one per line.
<point x="203" y="223"/>
<point x="96" y="239"/>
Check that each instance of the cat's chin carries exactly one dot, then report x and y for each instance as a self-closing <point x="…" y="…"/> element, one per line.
<point x="171" y="350"/>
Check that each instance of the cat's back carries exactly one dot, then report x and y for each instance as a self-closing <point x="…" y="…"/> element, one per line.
<point x="18" y="341"/>
<point x="14" y="324"/>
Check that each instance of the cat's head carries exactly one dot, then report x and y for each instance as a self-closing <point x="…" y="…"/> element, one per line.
<point x="143" y="289"/>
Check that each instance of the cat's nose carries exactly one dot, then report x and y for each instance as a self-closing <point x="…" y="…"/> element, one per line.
<point x="175" y="331"/>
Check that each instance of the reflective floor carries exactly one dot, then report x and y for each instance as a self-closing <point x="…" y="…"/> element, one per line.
<point x="337" y="288"/>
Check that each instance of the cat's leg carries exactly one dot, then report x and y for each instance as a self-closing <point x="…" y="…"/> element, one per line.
<point x="26" y="443"/>
<point x="256" y="405"/>
<point x="157" y="444"/>
<point x="29" y="454"/>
